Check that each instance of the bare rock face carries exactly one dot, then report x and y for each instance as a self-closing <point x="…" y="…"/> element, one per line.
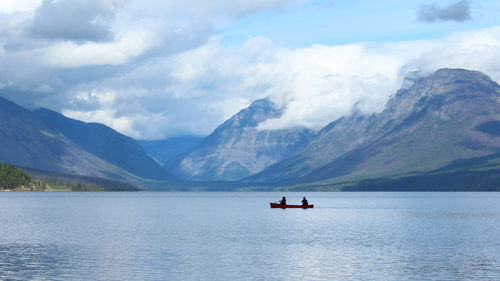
<point x="453" y="114"/>
<point x="237" y="148"/>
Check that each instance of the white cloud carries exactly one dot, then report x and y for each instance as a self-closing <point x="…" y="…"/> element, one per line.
<point x="475" y="50"/>
<point x="107" y="117"/>
<point x="195" y="91"/>
<point x="72" y="55"/>
<point x="116" y="32"/>
<point x="11" y="6"/>
<point x="323" y="83"/>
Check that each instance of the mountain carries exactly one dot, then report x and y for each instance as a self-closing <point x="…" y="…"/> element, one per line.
<point x="166" y="149"/>
<point x="450" y="115"/>
<point x="237" y="148"/>
<point x="48" y="141"/>
<point x="27" y="141"/>
<point x="105" y="143"/>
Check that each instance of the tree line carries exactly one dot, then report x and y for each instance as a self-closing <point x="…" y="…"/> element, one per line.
<point x="12" y="177"/>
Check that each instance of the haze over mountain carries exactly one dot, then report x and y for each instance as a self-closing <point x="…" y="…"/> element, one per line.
<point x="237" y="148"/>
<point x="164" y="150"/>
<point x="47" y="140"/>
<point x="450" y="115"/>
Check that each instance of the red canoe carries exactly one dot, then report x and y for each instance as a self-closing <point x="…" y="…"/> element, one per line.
<point x="274" y="205"/>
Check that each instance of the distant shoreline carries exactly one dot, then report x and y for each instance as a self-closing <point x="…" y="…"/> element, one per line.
<point x="21" y="190"/>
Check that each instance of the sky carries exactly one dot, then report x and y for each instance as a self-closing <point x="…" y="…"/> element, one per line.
<point x="154" y="69"/>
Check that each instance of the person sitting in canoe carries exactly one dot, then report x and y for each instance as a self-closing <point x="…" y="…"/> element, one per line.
<point x="304" y="201"/>
<point x="283" y="201"/>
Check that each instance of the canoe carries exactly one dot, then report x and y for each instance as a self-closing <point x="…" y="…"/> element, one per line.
<point x="274" y="205"/>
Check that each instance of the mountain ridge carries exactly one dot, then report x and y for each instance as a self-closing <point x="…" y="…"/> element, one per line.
<point x="105" y="143"/>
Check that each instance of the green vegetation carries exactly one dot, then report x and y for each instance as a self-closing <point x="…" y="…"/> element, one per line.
<point x="13" y="178"/>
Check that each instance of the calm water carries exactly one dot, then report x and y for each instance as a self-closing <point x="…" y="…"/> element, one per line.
<point x="236" y="236"/>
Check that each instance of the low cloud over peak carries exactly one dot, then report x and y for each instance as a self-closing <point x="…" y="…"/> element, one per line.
<point x="459" y="12"/>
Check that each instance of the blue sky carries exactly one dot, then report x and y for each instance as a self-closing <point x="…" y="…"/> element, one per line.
<point x="342" y="22"/>
<point x="153" y="69"/>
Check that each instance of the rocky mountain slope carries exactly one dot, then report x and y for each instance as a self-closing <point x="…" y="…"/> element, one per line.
<point x="237" y="148"/>
<point x="453" y="114"/>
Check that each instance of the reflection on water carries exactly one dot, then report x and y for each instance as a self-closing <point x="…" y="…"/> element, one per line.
<point x="222" y="236"/>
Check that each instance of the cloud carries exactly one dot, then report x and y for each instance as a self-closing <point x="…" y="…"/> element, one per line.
<point x="459" y="12"/>
<point x="323" y="83"/>
<point x="12" y="6"/>
<point x="475" y="50"/>
<point x="67" y="43"/>
<point x="79" y="33"/>
<point x="71" y="55"/>
<point x="191" y="92"/>
<point x="320" y="84"/>
<point x="76" y="20"/>
<point x="196" y="90"/>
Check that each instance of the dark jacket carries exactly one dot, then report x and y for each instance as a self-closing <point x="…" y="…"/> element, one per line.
<point x="304" y="202"/>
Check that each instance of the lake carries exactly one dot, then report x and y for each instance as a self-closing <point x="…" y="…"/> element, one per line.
<point x="236" y="236"/>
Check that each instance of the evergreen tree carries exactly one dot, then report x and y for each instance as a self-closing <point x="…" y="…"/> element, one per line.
<point x="12" y="177"/>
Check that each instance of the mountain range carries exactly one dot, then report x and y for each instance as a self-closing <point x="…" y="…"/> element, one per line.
<point x="451" y="115"/>
<point x="436" y="129"/>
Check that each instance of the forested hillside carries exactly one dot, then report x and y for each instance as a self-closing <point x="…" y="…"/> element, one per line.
<point x="11" y="177"/>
